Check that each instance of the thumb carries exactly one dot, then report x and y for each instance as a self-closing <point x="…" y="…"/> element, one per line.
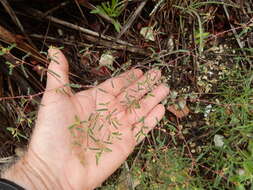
<point x="58" y="69"/>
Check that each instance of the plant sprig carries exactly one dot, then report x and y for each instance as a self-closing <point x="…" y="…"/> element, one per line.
<point x="112" y="10"/>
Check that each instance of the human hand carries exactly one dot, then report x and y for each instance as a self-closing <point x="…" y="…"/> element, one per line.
<point x="81" y="138"/>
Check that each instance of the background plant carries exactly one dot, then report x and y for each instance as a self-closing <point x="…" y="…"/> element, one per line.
<point x="112" y="9"/>
<point x="204" y="49"/>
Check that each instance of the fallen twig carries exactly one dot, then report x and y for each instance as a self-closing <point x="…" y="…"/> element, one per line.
<point x="116" y="46"/>
<point x="131" y="19"/>
<point x="15" y="19"/>
<point x="62" y="4"/>
<point x="103" y="43"/>
<point x="10" y="38"/>
<point x="37" y="13"/>
<point x="81" y="12"/>
<point x="7" y="36"/>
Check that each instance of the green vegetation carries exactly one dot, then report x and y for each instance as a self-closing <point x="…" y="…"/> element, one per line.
<point x="170" y="162"/>
<point x="111" y="9"/>
<point x="204" y="49"/>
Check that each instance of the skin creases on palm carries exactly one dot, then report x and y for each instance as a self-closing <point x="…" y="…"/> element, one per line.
<point x="108" y="124"/>
<point x="93" y="131"/>
<point x="81" y="138"/>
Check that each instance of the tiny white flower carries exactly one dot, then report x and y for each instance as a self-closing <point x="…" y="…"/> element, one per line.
<point x="207" y="111"/>
<point x="241" y="171"/>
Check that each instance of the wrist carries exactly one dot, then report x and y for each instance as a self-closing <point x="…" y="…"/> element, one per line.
<point x="29" y="175"/>
<point x="22" y="174"/>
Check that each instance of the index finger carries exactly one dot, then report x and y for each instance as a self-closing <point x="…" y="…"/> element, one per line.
<point x="116" y="85"/>
<point x="148" y="103"/>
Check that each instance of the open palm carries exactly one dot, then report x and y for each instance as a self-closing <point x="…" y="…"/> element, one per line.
<point x="81" y="139"/>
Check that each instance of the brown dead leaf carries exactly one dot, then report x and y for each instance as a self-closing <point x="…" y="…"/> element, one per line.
<point x="1" y="84"/>
<point x="102" y="71"/>
<point x="7" y="36"/>
<point x="10" y="38"/>
<point x="179" y="113"/>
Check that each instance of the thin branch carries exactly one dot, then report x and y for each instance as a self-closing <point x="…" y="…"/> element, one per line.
<point x="78" y="28"/>
<point x="50" y="11"/>
<point x="15" y="19"/>
<point x="9" y="38"/>
<point x="116" y="46"/>
<point x="81" y="12"/>
<point x="132" y="19"/>
<point x="103" y="43"/>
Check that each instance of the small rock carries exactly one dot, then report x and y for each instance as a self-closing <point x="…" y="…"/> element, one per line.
<point x="218" y="140"/>
<point x="106" y="59"/>
<point x="60" y="32"/>
<point x="148" y="33"/>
